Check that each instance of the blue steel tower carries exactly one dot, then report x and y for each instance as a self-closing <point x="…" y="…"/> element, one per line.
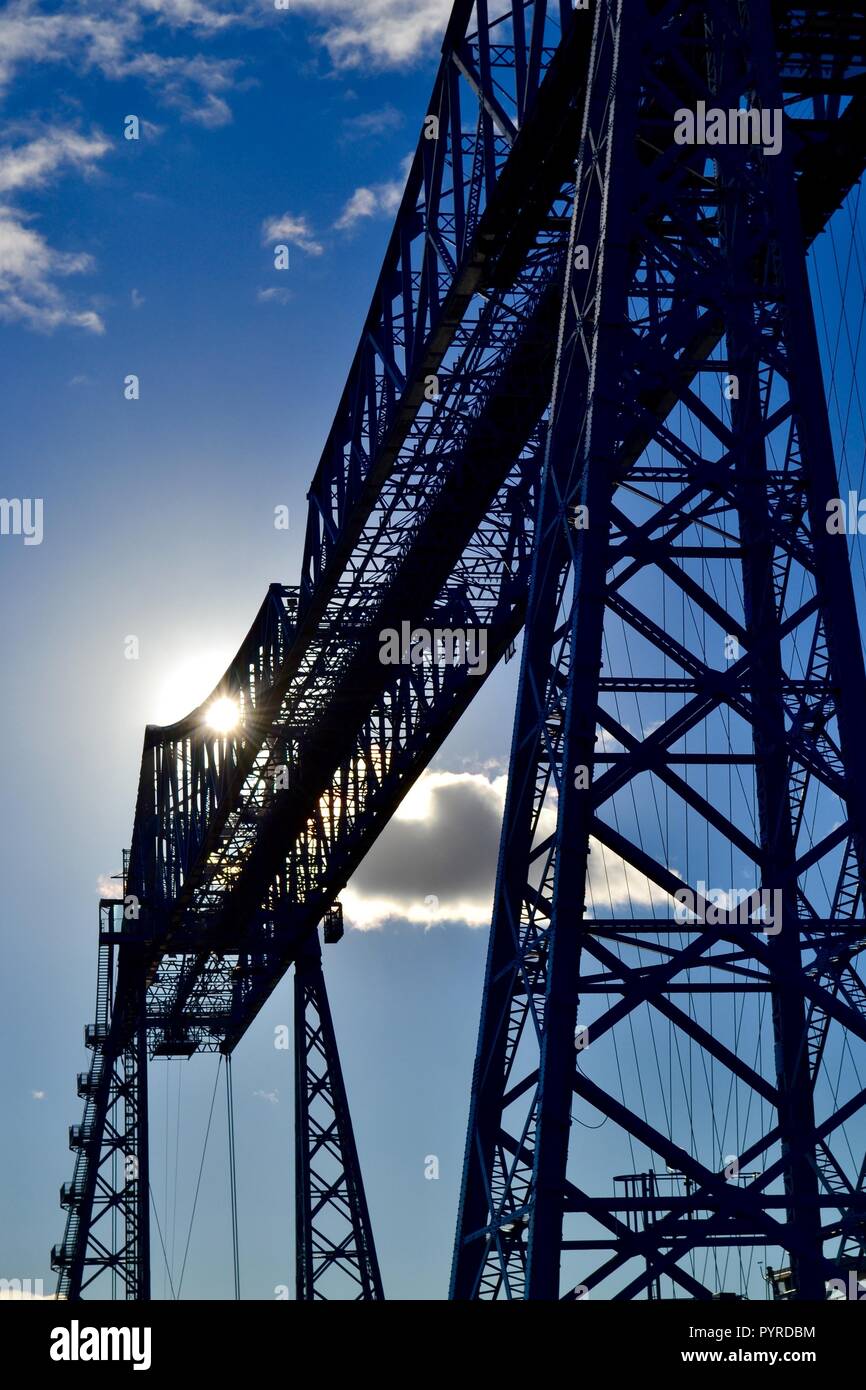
<point x="691" y="687"/>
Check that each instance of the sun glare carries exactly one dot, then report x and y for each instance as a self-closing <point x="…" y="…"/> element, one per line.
<point x="223" y="715"/>
<point x="187" y="678"/>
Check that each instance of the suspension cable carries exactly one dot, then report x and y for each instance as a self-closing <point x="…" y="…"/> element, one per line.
<point x="233" y="1182"/>
<point x="198" y="1182"/>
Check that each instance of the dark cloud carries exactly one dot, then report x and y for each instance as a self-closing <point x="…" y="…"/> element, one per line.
<point x="436" y="861"/>
<point x="443" y="842"/>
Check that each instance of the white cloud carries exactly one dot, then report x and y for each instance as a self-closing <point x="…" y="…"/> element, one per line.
<point x="378" y="33"/>
<point x="379" y="200"/>
<point x="38" y="1095"/>
<point x="136" y="298"/>
<point x="29" y="164"/>
<point x="369" y="124"/>
<point x="138" y="41"/>
<point x="295" y="231"/>
<point x="274" y="295"/>
<point x="29" y="268"/>
<point x="197" y="86"/>
<point x="109" y="886"/>
<point x="355" y="33"/>
<point x="272" y="1097"/>
<point x="436" y="861"/>
<point x="363" y="203"/>
<point x="207" y="16"/>
<point x="113" y="39"/>
<point x="129" y="40"/>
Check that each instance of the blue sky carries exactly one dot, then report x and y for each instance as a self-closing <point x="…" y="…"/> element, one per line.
<point x="155" y="258"/>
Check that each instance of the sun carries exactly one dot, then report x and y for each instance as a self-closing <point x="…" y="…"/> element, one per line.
<point x="186" y="680"/>
<point x="223" y="715"/>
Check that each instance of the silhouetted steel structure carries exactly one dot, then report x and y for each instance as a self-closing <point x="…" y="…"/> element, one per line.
<point x="691" y="677"/>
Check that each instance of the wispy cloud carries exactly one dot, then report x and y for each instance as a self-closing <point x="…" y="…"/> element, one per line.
<point x="206" y="16"/>
<point x="294" y="231"/>
<point x="367" y="125"/>
<point x="89" y="36"/>
<point x="375" y="200"/>
<point x="31" y="163"/>
<point x="377" y="33"/>
<point x="141" y="40"/>
<point x="30" y="268"/>
<point x="197" y="87"/>
<point x="29" y="272"/>
<point x="117" y="41"/>
<point x="274" y="295"/>
<point x="129" y="39"/>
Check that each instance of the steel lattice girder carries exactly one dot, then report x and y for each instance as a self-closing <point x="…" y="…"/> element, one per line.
<point x="235" y="832"/>
<point x="685" y="254"/>
<point x="209" y="795"/>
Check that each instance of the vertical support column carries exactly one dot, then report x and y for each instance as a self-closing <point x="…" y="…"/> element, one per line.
<point x="748" y="453"/>
<point x="138" y="1136"/>
<point x="796" y="1111"/>
<point x="108" y="1201"/>
<point x="335" y="1256"/>
<point x="833" y="570"/>
<point x="612" y="104"/>
<point x="534" y="952"/>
